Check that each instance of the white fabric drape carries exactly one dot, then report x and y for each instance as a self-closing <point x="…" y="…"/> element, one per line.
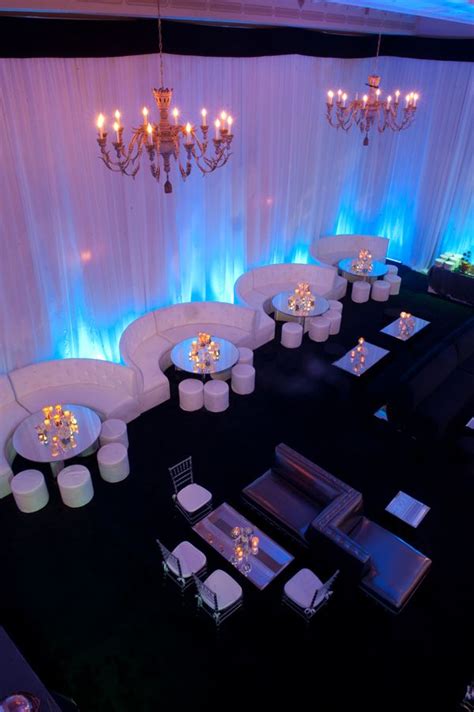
<point x="84" y="251"/>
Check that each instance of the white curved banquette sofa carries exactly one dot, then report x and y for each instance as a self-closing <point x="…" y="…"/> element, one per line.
<point x="256" y="287"/>
<point x="146" y="343"/>
<point x="333" y="248"/>
<point x="11" y="415"/>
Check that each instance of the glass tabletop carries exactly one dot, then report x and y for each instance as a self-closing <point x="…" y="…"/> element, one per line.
<point x="216" y="529"/>
<point x="229" y="355"/>
<point x="379" y="269"/>
<point x="394" y="328"/>
<point x="27" y="444"/>
<point x="372" y="354"/>
<point x="280" y="303"/>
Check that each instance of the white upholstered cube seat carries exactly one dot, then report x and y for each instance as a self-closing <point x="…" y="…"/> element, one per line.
<point x="394" y="281"/>
<point x="216" y="396"/>
<point x="245" y="355"/>
<point x="193" y="496"/>
<point x="75" y="486"/>
<point x="191" y="394"/>
<point x="319" y="328"/>
<point x="113" y="462"/>
<point x="291" y="335"/>
<point x="380" y="291"/>
<point x="243" y="379"/>
<point x="227" y="590"/>
<point x="335" y="305"/>
<point x="301" y="587"/>
<point x="360" y="292"/>
<point x="392" y="269"/>
<point x="190" y="559"/>
<point x="114" y="430"/>
<point x="29" y="491"/>
<point x="334" y="316"/>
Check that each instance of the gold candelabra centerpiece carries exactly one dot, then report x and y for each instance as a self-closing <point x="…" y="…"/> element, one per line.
<point x="204" y="351"/>
<point x="406" y="324"/>
<point x="164" y="140"/>
<point x="363" y="263"/>
<point x="246" y="544"/>
<point x="358" y="355"/>
<point x="371" y="111"/>
<point x="301" y="299"/>
<point x="58" y="429"/>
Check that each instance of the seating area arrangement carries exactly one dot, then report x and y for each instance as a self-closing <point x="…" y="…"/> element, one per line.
<point x="330" y="249"/>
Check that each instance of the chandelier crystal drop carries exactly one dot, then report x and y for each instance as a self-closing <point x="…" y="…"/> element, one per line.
<point x="164" y="140"/>
<point x="372" y="111"/>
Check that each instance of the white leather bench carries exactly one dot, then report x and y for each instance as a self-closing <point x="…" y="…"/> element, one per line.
<point x="331" y="249"/>
<point x="11" y="415"/>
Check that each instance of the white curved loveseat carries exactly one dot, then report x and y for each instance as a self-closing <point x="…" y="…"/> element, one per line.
<point x="108" y="388"/>
<point x="11" y="415"/>
<point x="256" y="287"/>
<point x="333" y="248"/>
<point x="146" y="343"/>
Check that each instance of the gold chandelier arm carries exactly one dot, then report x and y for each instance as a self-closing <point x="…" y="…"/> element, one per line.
<point x="126" y="158"/>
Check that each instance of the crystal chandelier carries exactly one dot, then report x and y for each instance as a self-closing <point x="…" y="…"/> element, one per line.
<point x="372" y="111"/>
<point x="162" y="140"/>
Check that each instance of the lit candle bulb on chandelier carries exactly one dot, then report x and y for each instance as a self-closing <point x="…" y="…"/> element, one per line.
<point x="117" y="129"/>
<point x="149" y="129"/>
<point x="389" y="99"/>
<point x="204" y="116"/>
<point x="223" y="116"/>
<point x="117" y="117"/>
<point x="145" y="116"/>
<point x="175" y="113"/>
<point x="397" y="96"/>
<point x="217" y="124"/>
<point x="344" y="99"/>
<point x="330" y="97"/>
<point x="415" y="98"/>
<point x="407" y="101"/>
<point x="377" y="93"/>
<point x="189" y="136"/>
<point x="230" y="121"/>
<point x="100" y="125"/>
<point x="364" y="99"/>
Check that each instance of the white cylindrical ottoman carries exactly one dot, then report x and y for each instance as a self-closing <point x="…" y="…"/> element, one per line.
<point x="291" y="335"/>
<point x="113" y="462"/>
<point x="334" y="317"/>
<point x="29" y="491"/>
<point x="75" y="486"/>
<point x="243" y="379"/>
<point x="319" y="328"/>
<point x="114" y="431"/>
<point x="360" y="292"/>
<point x="335" y="305"/>
<point x="394" y="281"/>
<point x="191" y="396"/>
<point x="245" y="355"/>
<point x="216" y="396"/>
<point x="380" y="291"/>
<point x="392" y="269"/>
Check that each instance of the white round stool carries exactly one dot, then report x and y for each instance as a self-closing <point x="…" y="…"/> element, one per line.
<point x="113" y="462"/>
<point x="243" y="379"/>
<point x="319" y="328"/>
<point x="29" y="491"/>
<point x="216" y="396"/>
<point x="392" y="269"/>
<point x="360" y="292"/>
<point x="191" y="394"/>
<point x="334" y="317"/>
<point x="114" y="431"/>
<point x="246" y="355"/>
<point x="291" y="335"/>
<point x="335" y="305"/>
<point x="380" y="291"/>
<point x="394" y="281"/>
<point x="75" y="486"/>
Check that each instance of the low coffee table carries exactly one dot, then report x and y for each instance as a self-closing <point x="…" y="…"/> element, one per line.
<point x="379" y="269"/>
<point x="280" y="304"/>
<point x="216" y="529"/>
<point x="393" y="329"/>
<point x="374" y="354"/>
<point x="229" y="355"/>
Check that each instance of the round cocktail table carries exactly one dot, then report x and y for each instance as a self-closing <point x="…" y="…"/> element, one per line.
<point x="228" y="357"/>
<point x="280" y="304"/>
<point x="379" y="269"/>
<point x="27" y="444"/>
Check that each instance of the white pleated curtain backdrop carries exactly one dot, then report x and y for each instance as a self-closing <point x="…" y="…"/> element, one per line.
<point x="84" y="251"/>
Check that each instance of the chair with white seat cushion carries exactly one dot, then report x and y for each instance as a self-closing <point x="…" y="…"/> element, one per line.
<point x="335" y="304"/>
<point x="75" y="486"/>
<point x="191" y="394"/>
<point x="193" y="501"/>
<point x="380" y="291"/>
<point x="291" y="335"/>
<point x="218" y="595"/>
<point x="395" y="282"/>
<point x="319" y="328"/>
<point x="360" y="292"/>
<point x="29" y="491"/>
<point x="216" y="396"/>
<point x="245" y="355"/>
<point x="114" y="430"/>
<point x="334" y="316"/>
<point x="305" y="593"/>
<point x="181" y="563"/>
<point x="113" y="462"/>
<point x="243" y="379"/>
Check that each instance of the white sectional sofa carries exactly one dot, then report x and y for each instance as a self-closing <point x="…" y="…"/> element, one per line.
<point x="146" y="343"/>
<point x="333" y="248"/>
<point x="11" y="415"/>
<point x="108" y="388"/>
<point x="258" y="286"/>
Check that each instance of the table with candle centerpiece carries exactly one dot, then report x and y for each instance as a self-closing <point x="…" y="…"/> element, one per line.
<point x="57" y="433"/>
<point x="362" y="268"/>
<point x="204" y="355"/>
<point x="300" y="303"/>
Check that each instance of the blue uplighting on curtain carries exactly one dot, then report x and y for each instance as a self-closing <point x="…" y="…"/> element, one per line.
<point x="84" y="252"/>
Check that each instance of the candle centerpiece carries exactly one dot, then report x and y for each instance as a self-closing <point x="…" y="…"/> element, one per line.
<point x="358" y="355"/>
<point x="204" y="351"/>
<point x="58" y="429"/>
<point x="302" y="299"/>
<point x="406" y="324"/>
<point x="363" y="263"/>
<point x="245" y="544"/>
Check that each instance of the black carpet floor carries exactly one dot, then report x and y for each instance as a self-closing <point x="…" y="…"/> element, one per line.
<point x="82" y="592"/>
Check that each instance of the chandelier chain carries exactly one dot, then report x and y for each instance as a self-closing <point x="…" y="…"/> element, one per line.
<point x="160" y="42"/>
